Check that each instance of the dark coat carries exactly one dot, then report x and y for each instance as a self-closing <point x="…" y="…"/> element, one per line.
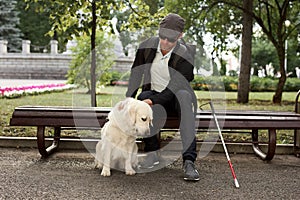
<point x="181" y="71"/>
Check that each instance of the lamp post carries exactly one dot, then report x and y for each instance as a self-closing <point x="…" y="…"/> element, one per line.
<point x="287" y="23"/>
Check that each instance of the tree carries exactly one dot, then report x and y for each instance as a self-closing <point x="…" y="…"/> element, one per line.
<point x="34" y="26"/>
<point x="8" y="25"/>
<point x="272" y="21"/>
<point x="79" y="72"/>
<point x="203" y="17"/>
<point x="263" y="54"/>
<point x="71" y="18"/>
<point x="272" y="16"/>
<point x="244" y="77"/>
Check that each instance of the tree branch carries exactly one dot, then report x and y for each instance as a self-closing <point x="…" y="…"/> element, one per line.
<point x="130" y="6"/>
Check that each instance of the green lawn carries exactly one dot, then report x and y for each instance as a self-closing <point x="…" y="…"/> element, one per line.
<point x="108" y="96"/>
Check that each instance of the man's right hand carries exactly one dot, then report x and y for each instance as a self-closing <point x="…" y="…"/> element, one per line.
<point x="148" y="101"/>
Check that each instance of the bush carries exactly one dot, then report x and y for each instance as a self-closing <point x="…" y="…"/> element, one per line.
<point x="292" y="84"/>
<point x="112" y="77"/>
<point x="229" y="83"/>
<point x="262" y="84"/>
<point x="214" y="83"/>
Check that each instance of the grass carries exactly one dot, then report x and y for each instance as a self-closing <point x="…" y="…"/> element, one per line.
<point x="108" y="96"/>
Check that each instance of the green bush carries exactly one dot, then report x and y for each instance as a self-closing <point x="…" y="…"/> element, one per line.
<point x="111" y="77"/>
<point x="229" y="83"/>
<point x="214" y="83"/>
<point x="262" y="84"/>
<point x="292" y="84"/>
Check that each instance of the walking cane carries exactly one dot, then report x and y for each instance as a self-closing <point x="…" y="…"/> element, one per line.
<point x="224" y="146"/>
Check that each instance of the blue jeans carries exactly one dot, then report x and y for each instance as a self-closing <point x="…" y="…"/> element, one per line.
<point x="181" y="105"/>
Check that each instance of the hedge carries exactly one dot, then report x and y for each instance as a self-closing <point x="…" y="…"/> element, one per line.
<point x="229" y="83"/>
<point x="220" y="83"/>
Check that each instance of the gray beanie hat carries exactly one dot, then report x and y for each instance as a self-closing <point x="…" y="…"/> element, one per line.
<point x="174" y="22"/>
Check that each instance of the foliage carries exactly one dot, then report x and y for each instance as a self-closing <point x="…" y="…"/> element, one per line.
<point x="143" y="14"/>
<point x="8" y="25"/>
<point x="71" y="18"/>
<point x="220" y="18"/>
<point x="293" y="55"/>
<point x="292" y="84"/>
<point x="202" y="17"/>
<point x="228" y="83"/>
<point x="34" y="26"/>
<point x="262" y="84"/>
<point x="263" y="53"/>
<point x="271" y="17"/>
<point x="79" y="72"/>
<point x="113" y="77"/>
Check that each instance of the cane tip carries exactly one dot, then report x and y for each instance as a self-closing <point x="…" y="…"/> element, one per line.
<point x="236" y="183"/>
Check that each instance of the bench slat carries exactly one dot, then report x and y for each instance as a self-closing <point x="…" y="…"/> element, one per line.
<point x="85" y="117"/>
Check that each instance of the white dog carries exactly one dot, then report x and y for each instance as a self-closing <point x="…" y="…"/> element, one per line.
<point x="117" y="147"/>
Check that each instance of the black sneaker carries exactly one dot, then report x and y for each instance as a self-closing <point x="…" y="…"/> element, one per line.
<point x="150" y="161"/>
<point x="190" y="172"/>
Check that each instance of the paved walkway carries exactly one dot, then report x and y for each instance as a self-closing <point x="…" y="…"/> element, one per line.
<point x="22" y="82"/>
<point x="70" y="175"/>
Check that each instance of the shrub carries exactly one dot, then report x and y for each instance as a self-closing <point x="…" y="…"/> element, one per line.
<point x="79" y="72"/>
<point x="292" y="84"/>
<point x="229" y="83"/>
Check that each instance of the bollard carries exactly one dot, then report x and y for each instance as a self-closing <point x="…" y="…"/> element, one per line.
<point x="26" y="46"/>
<point x="54" y="46"/>
<point x="3" y="46"/>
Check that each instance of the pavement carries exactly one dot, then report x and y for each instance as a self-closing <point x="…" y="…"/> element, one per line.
<point x="23" y="82"/>
<point x="70" y="174"/>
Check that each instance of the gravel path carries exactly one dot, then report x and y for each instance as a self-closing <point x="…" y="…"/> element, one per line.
<point x="70" y="175"/>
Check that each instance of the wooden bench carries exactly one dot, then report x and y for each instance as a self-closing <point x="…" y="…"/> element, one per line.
<point x="89" y="117"/>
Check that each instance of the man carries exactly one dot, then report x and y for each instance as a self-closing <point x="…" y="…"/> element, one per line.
<point x="164" y="67"/>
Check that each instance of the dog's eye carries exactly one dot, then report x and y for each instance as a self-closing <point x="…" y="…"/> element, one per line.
<point x="144" y="119"/>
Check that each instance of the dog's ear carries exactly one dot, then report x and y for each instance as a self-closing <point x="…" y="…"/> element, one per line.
<point x="122" y="104"/>
<point x="131" y="113"/>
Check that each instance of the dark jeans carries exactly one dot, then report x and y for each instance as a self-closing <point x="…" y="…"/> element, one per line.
<point x="181" y="105"/>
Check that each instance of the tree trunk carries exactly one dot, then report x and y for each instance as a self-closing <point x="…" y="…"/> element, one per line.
<point x="277" y="97"/>
<point x="244" y="77"/>
<point x="93" y="63"/>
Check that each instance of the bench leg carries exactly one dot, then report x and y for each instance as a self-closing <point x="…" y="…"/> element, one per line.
<point x="45" y="152"/>
<point x="297" y="142"/>
<point x="271" y="145"/>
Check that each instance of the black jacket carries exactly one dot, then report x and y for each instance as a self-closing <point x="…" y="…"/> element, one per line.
<point x="181" y="71"/>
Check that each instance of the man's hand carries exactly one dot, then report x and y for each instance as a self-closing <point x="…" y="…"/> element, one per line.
<point x="148" y="101"/>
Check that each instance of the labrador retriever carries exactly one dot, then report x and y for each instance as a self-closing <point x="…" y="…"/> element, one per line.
<point x="117" y="147"/>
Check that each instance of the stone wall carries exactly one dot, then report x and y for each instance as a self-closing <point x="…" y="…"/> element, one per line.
<point x="34" y="66"/>
<point x="51" y="65"/>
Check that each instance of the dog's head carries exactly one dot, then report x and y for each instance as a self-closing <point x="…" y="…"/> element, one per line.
<point x="140" y="116"/>
<point x="133" y="116"/>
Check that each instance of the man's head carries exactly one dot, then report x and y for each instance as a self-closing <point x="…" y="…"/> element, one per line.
<point x="170" y="30"/>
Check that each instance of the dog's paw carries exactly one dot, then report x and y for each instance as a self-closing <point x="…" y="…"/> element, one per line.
<point x="130" y="172"/>
<point x="98" y="165"/>
<point x="105" y="172"/>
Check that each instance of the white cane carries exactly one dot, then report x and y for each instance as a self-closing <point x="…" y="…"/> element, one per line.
<point x="224" y="146"/>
